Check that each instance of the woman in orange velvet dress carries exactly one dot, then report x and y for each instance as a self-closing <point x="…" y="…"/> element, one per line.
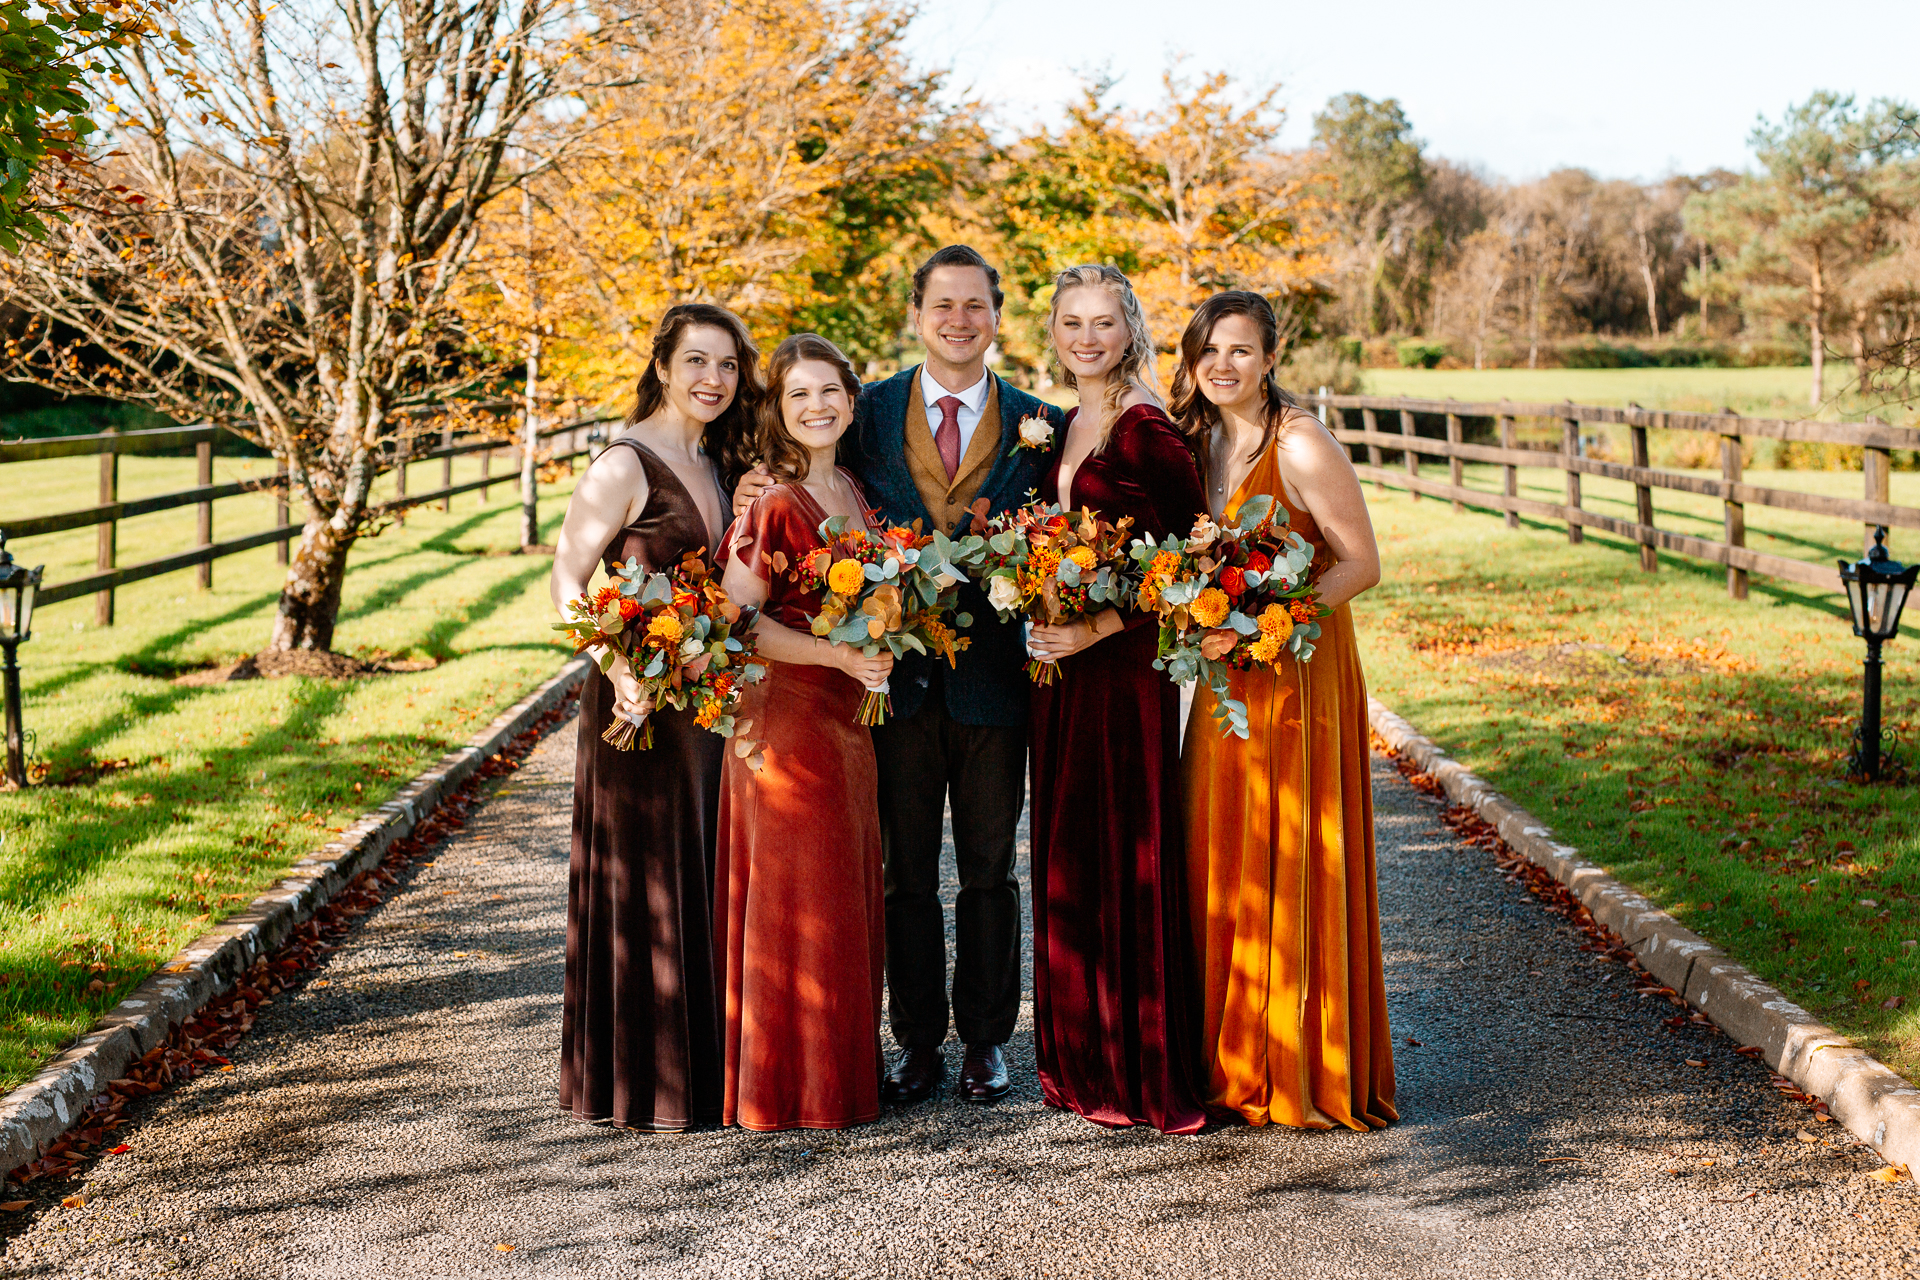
<point x="1280" y="865"/>
<point x="1115" y="1023"/>
<point x="799" y="927"/>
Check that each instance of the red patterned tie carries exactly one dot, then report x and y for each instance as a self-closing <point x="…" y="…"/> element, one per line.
<point x="947" y="438"/>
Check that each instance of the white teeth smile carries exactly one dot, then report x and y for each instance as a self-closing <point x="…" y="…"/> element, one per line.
<point x="707" y="397"/>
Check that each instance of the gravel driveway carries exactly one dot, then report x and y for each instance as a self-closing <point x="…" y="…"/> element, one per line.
<point x="395" y="1118"/>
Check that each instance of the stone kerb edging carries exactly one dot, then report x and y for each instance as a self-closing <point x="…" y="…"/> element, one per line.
<point x="40" y="1110"/>
<point x="1873" y="1102"/>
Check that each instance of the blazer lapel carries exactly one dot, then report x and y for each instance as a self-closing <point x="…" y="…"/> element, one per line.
<point x="886" y="450"/>
<point x="1011" y="466"/>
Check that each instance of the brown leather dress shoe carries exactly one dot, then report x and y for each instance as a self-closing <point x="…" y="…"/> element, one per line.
<point x="913" y="1077"/>
<point x="983" y="1074"/>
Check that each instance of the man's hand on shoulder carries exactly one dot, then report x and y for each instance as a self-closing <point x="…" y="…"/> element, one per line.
<point x="751" y="486"/>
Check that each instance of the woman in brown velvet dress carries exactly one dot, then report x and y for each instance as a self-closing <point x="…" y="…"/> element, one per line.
<point x="799" y="929"/>
<point x="640" y="1029"/>
<point x="1114" y="1001"/>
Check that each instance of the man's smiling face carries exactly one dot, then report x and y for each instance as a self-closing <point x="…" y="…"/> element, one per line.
<point x="956" y="318"/>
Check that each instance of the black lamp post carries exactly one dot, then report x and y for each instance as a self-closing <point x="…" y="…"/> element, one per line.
<point x="1877" y="590"/>
<point x="17" y="586"/>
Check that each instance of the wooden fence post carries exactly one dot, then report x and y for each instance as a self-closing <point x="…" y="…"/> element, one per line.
<point x="1569" y="450"/>
<point x="446" y="468"/>
<point x="106" y="533"/>
<point x="281" y="494"/>
<point x="402" y="450"/>
<point x="1643" y="503"/>
<point x="1454" y="465"/>
<point x="1412" y="458"/>
<point x="1370" y="425"/>
<point x="1508" y="441"/>
<point x="203" y="527"/>
<point x="1878" y="467"/>
<point x="1736" y="512"/>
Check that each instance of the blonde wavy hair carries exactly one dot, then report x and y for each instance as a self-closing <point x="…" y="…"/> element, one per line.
<point x="1136" y="362"/>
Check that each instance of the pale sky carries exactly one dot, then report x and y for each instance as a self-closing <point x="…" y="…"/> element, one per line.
<point x="1626" y="88"/>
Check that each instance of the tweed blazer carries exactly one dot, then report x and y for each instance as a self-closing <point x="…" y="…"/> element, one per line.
<point x="988" y="684"/>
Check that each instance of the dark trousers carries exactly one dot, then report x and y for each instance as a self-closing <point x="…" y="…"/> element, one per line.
<point x="925" y="758"/>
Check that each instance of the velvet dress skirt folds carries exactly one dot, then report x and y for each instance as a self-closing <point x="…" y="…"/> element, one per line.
<point x="799" y="923"/>
<point x="640" y="1022"/>
<point x="1115" y="1006"/>
<point x="1285" y="912"/>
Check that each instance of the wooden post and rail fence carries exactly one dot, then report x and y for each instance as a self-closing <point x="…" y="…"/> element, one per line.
<point x="1877" y="441"/>
<point x="567" y="441"/>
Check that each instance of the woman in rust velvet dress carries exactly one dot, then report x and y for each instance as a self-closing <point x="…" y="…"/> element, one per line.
<point x="1286" y="916"/>
<point x="799" y="926"/>
<point x="1114" y="1004"/>
<point x="640" y="1024"/>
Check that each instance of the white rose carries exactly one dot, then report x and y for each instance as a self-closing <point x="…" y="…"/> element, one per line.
<point x="1002" y="594"/>
<point x="1036" y="433"/>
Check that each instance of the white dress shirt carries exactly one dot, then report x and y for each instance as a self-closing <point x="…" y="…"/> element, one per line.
<point x="973" y="404"/>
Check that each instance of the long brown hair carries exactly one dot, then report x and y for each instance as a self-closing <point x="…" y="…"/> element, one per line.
<point x="728" y="439"/>
<point x="1135" y="367"/>
<point x="1196" y="415"/>
<point x="786" y="457"/>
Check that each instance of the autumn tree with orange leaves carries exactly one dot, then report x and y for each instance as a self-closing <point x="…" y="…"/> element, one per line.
<point x="773" y="156"/>
<point x="1188" y="198"/>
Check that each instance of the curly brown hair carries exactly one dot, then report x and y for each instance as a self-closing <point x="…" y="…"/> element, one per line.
<point x="786" y="457"/>
<point x="728" y="439"/>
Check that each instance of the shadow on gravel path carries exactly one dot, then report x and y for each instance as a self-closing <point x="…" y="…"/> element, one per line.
<point x="395" y="1117"/>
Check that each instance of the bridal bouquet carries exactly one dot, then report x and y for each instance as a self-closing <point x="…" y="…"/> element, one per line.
<point x="688" y="644"/>
<point x="1229" y="599"/>
<point x="1051" y="566"/>
<point x="896" y="589"/>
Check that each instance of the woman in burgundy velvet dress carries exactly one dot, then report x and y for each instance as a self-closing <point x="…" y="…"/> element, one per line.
<point x="1114" y="1004"/>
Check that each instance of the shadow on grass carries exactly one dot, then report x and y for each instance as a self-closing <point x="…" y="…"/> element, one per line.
<point x="438" y="641"/>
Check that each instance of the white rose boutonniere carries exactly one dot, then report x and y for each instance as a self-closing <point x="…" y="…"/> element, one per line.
<point x="1035" y="433"/>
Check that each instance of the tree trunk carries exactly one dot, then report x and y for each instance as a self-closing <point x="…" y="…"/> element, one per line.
<point x="1653" y="298"/>
<point x="1817" y="336"/>
<point x="310" y="598"/>
<point x="529" y="449"/>
<point x="1861" y="375"/>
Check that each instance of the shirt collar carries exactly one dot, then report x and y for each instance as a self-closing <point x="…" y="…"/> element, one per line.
<point x="974" y="397"/>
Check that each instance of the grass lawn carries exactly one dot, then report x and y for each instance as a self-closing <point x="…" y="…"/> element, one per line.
<point x="1690" y="743"/>
<point x="1763" y="393"/>
<point x="169" y="805"/>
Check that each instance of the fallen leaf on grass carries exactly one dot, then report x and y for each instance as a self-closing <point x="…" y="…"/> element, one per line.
<point x="1804" y="1136"/>
<point x="1893" y="1002"/>
<point x="74" y="1202"/>
<point x="1885" y="1173"/>
<point x="1750" y="1050"/>
<point x="503" y="1248"/>
<point x="120" y="1150"/>
<point x="228" y="1067"/>
<point x="1413" y="1042"/>
<point x="1823" y="1117"/>
<point x="1695" y="1062"/>
<point x="15" y="1206"/>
